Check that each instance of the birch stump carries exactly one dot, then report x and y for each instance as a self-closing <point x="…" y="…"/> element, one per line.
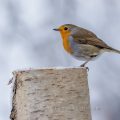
<point x="51" y="94"/>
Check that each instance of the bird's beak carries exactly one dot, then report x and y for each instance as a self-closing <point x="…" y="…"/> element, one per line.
<point x="56" y="29"/>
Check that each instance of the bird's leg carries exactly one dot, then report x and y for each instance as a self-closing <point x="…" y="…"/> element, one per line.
<point x="83" y="65"/>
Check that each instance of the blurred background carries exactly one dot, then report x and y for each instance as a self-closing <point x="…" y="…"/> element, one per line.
<point x="28" y="41"/>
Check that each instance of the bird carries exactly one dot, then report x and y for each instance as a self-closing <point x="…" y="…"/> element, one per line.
<point x="82" y="44"/>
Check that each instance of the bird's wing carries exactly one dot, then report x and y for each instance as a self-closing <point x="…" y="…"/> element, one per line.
<point x="84" y="36"/>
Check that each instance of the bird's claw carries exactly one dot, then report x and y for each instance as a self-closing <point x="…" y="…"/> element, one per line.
<point x="84" y="67"/>
<point x="87" y="68"/>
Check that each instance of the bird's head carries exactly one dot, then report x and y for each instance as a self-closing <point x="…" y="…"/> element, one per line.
<point x="65" y="29"/>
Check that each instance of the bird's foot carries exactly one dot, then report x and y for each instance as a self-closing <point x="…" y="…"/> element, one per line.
<point x="87" y="68"/>
<point x="84" y="67"/>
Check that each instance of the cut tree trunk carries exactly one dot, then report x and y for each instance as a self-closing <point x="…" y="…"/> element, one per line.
<point x="51" y="94"/>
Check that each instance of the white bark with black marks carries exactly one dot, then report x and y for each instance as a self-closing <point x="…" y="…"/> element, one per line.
<point x="51" y="94"/>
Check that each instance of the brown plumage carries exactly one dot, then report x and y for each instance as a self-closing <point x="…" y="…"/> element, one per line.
<point x="84" y="36"/>
<point x="82" y="43"/>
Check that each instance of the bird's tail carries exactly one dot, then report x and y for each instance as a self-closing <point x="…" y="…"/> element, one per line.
<point x="113" y="50"/>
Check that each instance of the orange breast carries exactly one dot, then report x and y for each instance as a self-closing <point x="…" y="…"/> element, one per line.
<point x="66" y="43"/>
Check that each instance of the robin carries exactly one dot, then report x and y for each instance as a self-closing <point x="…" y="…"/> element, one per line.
<point x="82" y="43"/>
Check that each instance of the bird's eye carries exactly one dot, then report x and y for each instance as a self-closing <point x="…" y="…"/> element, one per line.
<point x="65" y="28"/>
